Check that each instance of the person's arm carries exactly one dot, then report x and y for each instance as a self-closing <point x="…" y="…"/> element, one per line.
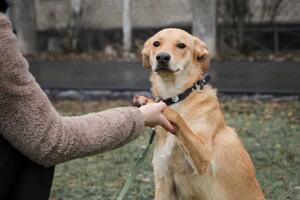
<point x="30" y="123"/>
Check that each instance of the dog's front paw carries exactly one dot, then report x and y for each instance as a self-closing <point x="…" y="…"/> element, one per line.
<point x="139" y="101"/>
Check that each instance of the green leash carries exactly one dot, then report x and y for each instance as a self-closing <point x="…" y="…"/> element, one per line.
<point x="134" y="171"/>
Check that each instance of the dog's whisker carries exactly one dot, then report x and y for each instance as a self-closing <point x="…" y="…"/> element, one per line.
<point x="177" y="65"/>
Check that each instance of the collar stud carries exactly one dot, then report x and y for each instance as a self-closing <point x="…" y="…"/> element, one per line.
<point x="175" y="99"/>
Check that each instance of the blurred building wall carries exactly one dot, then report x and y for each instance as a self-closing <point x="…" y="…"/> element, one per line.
<point x="107" y="14"/>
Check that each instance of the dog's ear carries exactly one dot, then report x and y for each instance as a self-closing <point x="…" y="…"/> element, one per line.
<point x="201" y="54"/>
<point x="146" y="54"/>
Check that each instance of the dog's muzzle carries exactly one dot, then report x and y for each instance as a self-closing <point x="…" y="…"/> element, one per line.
<point x="163" y="59"/>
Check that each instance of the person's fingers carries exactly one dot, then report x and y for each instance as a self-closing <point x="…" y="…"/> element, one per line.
<point x="153" y="116"/>
<point x="166" y="124"/>
<point x="161" y="105"/>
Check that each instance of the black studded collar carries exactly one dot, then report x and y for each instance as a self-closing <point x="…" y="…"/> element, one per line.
<point x="196" y="86"/>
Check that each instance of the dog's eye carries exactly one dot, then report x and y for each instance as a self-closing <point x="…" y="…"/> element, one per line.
<point x="181" y="45"/>
<point x="156" y="43"/>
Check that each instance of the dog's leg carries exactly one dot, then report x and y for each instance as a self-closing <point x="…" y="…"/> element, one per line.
<point x="164" y="189"/>
<point x="164" y="181"/>
<point x="194" y="145"/>
<point x="164" y="186"/>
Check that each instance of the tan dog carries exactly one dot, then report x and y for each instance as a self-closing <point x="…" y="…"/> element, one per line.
<point x="205" y="160"/>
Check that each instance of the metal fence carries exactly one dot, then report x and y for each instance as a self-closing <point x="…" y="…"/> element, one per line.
<point x="269" y="26"/>
<point x="244" y="26"/>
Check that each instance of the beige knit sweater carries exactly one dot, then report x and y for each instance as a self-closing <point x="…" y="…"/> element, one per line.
<point x="30" y="123"/>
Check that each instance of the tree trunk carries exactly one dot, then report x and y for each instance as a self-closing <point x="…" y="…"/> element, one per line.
<point x="126" y="26"/>
<point x="23" y="12"/>
<point x="204" y="22"/>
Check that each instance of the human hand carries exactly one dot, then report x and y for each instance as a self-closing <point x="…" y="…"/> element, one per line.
<point x="153" y="116"/>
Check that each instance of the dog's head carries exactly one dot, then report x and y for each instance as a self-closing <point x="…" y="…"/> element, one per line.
<point x="173" y="51"/>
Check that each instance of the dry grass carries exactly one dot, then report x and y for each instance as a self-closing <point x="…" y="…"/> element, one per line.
<point x="270" y="131"/>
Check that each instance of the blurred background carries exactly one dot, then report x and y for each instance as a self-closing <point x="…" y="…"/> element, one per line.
<point x="93" y="45"/>
<point x="86" y="56"/>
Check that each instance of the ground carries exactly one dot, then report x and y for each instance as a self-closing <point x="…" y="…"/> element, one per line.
<point x="269" y="129"/>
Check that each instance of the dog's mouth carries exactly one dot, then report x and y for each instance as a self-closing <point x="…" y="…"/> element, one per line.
<point x="164" y="69"/>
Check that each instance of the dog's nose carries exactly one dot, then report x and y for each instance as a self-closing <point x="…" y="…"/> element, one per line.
<point x="163" y="58"/>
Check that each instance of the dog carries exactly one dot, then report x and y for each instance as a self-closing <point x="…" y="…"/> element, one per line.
<point x="205" y="159"/>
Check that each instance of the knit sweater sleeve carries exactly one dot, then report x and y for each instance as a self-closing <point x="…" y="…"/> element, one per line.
<point x="30" y="123"/>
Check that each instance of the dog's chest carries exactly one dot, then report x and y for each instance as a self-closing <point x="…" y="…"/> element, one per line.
<point x="170" y="163"/>
<point x="193" y="116"/>
<point x="170" y="160"/>
<point x="169" y="151"/>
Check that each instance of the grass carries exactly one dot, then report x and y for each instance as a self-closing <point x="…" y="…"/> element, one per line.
<point x="270" y="131"/>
